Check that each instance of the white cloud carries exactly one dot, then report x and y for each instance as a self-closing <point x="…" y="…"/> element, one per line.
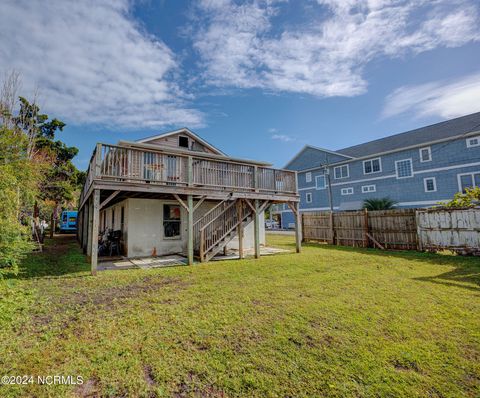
<point x="92" y="63"/>
<point x="324" y="55"/>
<point x="441" y="98"/>
<point x="282" y="137"/>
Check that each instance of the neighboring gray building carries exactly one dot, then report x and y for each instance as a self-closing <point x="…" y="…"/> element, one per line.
<point x="418" y="168"/>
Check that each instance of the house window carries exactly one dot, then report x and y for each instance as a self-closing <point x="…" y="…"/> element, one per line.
<point x="320" y="182"/>
<point x="404" y="168"/>
<point x="347" y="191"/>
<point x="113" y="218"/>
<point x="308" y="197"/>
<point x="183" y="141"/>
<point x="171" y="221"/>
<point x="473" y="141"/>
<point x="468" y="180"/>
<point x="369" y="188"/>
<point x="341" y="171"/>
<point x="122" y="218"/>
<point x="425" y="154"/>
<point x="308" y="177"/>
<point x="372" y="166"/>
<point x="430" y="184"/>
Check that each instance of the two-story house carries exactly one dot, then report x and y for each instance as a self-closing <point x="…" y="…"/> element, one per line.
<point x="418" y="168"/>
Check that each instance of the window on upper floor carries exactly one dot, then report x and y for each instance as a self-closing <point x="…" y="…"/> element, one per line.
<point x="347" y="191"/>
<point x="468" y="180"/>
<point x="308" y="177"/>
<point x="182" y="141"/>
<point x="320" y="182"/>
<point x="430" y="184"/>
<point x="372" y="166"/>
<point x="308" y="197"/>
<point x="369" y="188"/>
<point x="340" y="172"/>
<point x="404" y="168"/>
<point x="425" y="154"/>
<point x="473" y="141"/>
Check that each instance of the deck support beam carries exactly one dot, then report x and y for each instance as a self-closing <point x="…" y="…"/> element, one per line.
<point x="95" y="230"/>
<point x="298" y="224"/>
<point x="240" y="228"/>
<point x="190" y="229"/>
<point x="90" y="228"/>
<point x="109" y="199"/>
<point x="257" y="228"/>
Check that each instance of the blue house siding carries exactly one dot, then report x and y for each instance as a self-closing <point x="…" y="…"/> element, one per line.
<point x="448" y="160"/>
<point x="313" y="157"/>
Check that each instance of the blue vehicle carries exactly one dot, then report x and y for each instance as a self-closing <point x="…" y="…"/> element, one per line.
<point x="68" y="221"/>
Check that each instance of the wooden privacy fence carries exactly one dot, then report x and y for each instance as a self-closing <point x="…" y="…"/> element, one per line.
<point x="386" y="229"/>
<point x="457" y="230"/>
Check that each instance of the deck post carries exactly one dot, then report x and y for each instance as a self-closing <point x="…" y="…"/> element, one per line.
<point x="240" y="228"/>
<point x="95" y="228"/>
<point x="190" y="229"/>
<point x="257" y="229"/>
<point x="90" y="228"/>
<point x="85" y="226"/>
<point x="298" y="228"/>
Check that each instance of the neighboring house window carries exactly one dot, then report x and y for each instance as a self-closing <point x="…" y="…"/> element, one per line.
<point x="425" y="154"/>
<point x="347" y="191"/>
<point x="404" y="168"/>
<point x="308" y="177"/>
<point x="183" y="141"/>
<point x="341" y="171"/>
<point x="372" y="166"/>
<point x="468" y="180"/>
<point x="320" y="182"/>
<point x="171" y="221"/>
<point x="369" y="188"/>
<point x="430" y="184"/>
<point x="473" y="141"/>
<point x="309" y="197"/>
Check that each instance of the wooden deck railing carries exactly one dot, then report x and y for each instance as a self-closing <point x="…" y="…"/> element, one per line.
<point x="125" y="164"/>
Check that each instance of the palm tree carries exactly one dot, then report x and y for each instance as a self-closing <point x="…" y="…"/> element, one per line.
<point x="379" y="204"/>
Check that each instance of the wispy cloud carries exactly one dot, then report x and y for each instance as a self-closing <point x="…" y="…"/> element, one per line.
<point x="272" y="130"/>
<point x="282" y="137"/>
<point x="325" y="55"/>
<point x="441" y="98"/>
<point x="93" y="63"/>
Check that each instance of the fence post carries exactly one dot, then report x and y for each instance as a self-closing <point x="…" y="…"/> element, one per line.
<point x="419" y="234"/>
<point x="332" y="229"/>
<point x="366" y="228"/>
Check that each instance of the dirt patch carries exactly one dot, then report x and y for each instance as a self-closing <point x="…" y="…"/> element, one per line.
<point x="190" y="387"/>
<point x="403" y="366"/>
<point x="89" y="389"/>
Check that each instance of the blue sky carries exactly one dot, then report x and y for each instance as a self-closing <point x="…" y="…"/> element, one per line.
<point x="258" y="79"/>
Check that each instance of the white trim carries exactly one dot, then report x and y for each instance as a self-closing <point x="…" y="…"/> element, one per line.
<point x="472" y="173"/>
<point x="306" y="189"/>
<point x="184" y="131"/>
<point x="371" y="160"/>
<point x="317" y="149"/>
<point x="316" y="183"/>
<point x="422" y="202"/>
<point x="434" y="184"/>
<point x="346" y="191"/>
<point x="429" y="149"/>
<point x="340" y="167"/>
<point x="317" y="209"/>
<point x="411" y="168"/>
<point x="472" y="138"/>
<point x="364" y="180"/>
<point x="458" y="166"/>
<point x="379" y="154"/>
<point x="369" y="191"/>
<point x="308" y="195"/>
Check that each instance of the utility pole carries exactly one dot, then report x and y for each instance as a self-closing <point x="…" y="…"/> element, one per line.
<point x="327" y="173"/>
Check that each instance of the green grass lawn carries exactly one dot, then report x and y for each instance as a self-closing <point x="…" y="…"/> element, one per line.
<point x="332" y="321"/>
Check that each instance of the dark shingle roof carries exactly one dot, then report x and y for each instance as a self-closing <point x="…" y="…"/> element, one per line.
<point x="450" y="128"/>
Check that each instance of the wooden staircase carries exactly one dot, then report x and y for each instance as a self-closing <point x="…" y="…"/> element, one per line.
<point x="216" y="228"/>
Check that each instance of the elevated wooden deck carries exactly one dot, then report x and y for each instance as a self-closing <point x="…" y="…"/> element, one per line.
<point x="123" y="168"/>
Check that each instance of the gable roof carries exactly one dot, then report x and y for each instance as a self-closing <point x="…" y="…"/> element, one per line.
<point x="185" y="131"/>
<point x="319" y="156"/>
<point x="438" y="131"/>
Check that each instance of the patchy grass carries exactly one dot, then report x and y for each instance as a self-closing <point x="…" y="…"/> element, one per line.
<point x="331" y="322"/>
